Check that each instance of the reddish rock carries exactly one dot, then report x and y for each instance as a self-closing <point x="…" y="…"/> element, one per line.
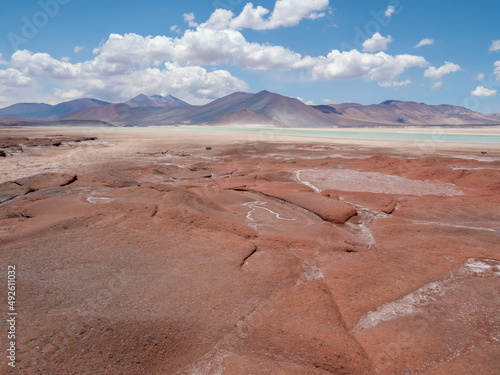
<point x="149" y="264"/>
<point x="46" y="180"/>
<point x="328" y="209"/>
<point x="304" y="320"/>
<point x="333" y="194"/>
<point x="10" y="190"/>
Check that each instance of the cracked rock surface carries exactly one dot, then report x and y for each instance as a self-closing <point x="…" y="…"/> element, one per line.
<point x="147" y="253"/>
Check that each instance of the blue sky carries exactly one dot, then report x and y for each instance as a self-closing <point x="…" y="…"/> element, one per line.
<point x="321" y="51"/>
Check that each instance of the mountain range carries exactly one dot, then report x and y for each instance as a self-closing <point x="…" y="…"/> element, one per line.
<point x="240" y="108"/>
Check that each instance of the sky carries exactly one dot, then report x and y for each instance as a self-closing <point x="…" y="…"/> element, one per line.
<point x="320" y="51"/>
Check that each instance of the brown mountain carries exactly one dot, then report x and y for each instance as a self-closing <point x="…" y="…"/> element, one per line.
<point x="241" y="108"/>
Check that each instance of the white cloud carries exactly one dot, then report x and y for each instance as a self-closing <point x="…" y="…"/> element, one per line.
<point x="126" y="65"/>
<point x="43" y="65"/>
<point x="2" y="61"/>
<point x="286" y="13"/>
<point x="437" y="73"/>
<point x="354" y="64"/>
<point x="68" y="95"/>
<point x="13" y="78"/>
<point x="438" y="85"/>
<point x="308" y="102"/>
<point x="424" y="42"/>
<point x="78" y="49"/>
<point x="15" y="87"/>
<point x="196" y="47"/>
<point x="395" y="83"/>
<point x="482" y="91"/>
<point x="390" y="10"/>
<point x="376" y="43"/>
<point x="220" y="19"/>
<point x="212" y="46"/>
<point x="495" y="46"/>
<point x="189" y="19"/>
<point x="496" y="72"/>
<point x="480" y="76"/>
<point x="175" y="29"/>
<point x="113" y="81"/>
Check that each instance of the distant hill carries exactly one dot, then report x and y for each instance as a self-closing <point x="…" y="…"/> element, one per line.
<point x="241" y="108"/>
<point x="412" y="113"/>
<point x="47" y="112"/>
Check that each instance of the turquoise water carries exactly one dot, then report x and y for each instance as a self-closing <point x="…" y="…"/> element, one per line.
<point x="435" y="136"/>
<point x="266" y="134"/>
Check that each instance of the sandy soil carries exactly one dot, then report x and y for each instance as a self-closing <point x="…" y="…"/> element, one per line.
<point x="155" y="251"/>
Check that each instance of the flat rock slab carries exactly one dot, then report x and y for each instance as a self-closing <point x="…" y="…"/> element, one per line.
<point x="46" y="181"/>
<point x="328" y="209"/>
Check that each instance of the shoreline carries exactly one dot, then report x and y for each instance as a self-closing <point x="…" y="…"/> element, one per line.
<point x="124" y="144"/>
<point x="437" y="130"/>
<point x="202" y="135"/>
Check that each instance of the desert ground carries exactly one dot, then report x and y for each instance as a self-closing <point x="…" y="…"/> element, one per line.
<point x="163" y="251"/>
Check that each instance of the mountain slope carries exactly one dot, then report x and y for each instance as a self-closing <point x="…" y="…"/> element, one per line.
<point x="277" y="108"/>
<point x="156" y="101"/>
<point x="246" y="117"/>
<point x="23" y="109"/>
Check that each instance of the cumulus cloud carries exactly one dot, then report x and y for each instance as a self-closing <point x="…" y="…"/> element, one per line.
<point x="123" y="55"/>
<point x="376" y="43"/>
<point x="354" y="64"/>
<point x="437" y="73"/>
<point x="114" y="80"/>
<point x="390" y="11"/>
<point x="2" y="61"/>
<point x="15" y="87"/>
<point x="189" y="19"/>
<point x="482" y="91"/>
<point x="424" y="42"/>
<point x="286" y="13"/>
<point x="43" y="65"/>
<point x="196" y="47"/>
<point x="13" y="78"/>
<point x="78" y="49"/>
<point x="495" y="46"/>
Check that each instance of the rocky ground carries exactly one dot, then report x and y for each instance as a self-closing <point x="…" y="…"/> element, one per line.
<point x="142" y="253"/>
